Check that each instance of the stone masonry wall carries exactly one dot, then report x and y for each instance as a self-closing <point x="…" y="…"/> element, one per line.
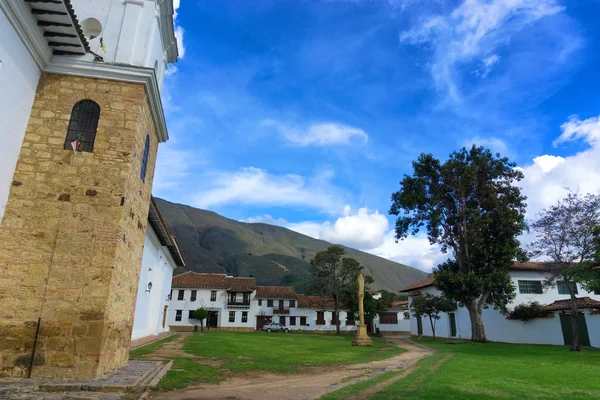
<point x="72" y="236"/>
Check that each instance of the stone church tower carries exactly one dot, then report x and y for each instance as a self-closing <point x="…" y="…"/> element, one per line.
<point x="80" y="124"/>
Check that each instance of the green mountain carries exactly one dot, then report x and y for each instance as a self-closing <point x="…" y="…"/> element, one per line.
<point x="272" y="254"/>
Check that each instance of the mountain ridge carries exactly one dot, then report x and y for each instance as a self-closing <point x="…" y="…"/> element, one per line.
<point x="274" y="255"/>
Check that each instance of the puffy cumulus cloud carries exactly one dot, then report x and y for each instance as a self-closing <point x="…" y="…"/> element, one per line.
<point x="361" y="229"/>
<point x="255" y="186"/>
<point x="324" y="134"/>
<point x="414" y="251"/>
<point x="471" y="32"/>
<point x="549" y="178"/>
<point x="179" y="31"/>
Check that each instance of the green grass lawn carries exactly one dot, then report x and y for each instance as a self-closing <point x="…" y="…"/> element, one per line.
<point x="150" y="348"/>
<point x="282" y="352"/>
<point x="499" y="371"/>
<point x="186" y="372"/>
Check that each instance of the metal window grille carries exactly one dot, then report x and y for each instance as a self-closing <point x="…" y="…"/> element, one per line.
<point x="83" y="126"/>
<point x="244" y="316"/>
<point x="231" y="316"/>
<point x="530" y="287"/>
<point x="178" y="315"/>
<point x="563" y="288"/>
<point x="145" y="159"/>
<point x="213" y="295"/>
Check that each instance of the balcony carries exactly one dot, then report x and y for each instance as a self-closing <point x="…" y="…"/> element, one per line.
<point x="281" y="310"/>
<point x="238" y="304"/>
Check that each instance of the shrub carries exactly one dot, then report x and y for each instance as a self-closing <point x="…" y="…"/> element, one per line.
<point x="529" y="311"/>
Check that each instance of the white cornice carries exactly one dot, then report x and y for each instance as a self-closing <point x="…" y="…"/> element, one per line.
<point x="19" y="15"/>
<point x="167" y="29"/>
<point x="121" y="73"/>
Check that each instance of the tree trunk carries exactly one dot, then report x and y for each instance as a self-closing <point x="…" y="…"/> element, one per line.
<point x="574" y="325"/>
<point x="336" y="315"/>
<point x="432" y="327"/>
<point x="477" y="328"/>
<point x="201" y="325"/>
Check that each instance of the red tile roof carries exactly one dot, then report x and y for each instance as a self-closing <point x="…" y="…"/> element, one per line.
<point x="319" y="302"/>
<point x="276" y="292"/>
<point x="213" y="281"/>
<point x="582" y="302"/>
<point x="421" y="284"/>
<point x="400" y="305"/>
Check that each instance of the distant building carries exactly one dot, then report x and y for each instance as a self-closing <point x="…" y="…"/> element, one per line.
<point x="528" y="280"/>
<point x="238" y="304"/>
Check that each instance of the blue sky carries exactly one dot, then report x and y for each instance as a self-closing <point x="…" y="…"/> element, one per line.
<point x="306" y="114"/>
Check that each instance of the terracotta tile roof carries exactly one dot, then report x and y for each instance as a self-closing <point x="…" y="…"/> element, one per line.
<point x="582" y="302"/>
<point x="213" y="281"/>
<point x="276" y="292"/>
<point x="400" y="305"/>
<point x="319" y="302"/>
<point x="421" y="284"/>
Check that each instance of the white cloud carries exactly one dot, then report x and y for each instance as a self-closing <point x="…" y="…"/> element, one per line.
<point x="414" y="251"/>
<point x="361" y="230"/>
<point x="179" y="31"/>
<point x="255" y="186"/>
<point x="323" y="134"/>
<point x="487" y="66"/>
<point x="471" y="31"/>
<point x="550" y="177"/>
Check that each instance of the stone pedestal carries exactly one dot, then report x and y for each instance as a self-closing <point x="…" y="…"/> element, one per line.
<point x="362" y="339"/>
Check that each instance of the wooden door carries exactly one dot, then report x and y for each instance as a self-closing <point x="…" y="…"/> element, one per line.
<point x="452" y="324"/>
<point x="567" y="330"/>
<point x="281" y="304"/>
<point x="282" y="320"/>
<point x="164" y="316"/>
<point x="261" y="321"/>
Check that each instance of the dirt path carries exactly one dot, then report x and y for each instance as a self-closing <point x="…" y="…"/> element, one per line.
<point x="301" y="386"/>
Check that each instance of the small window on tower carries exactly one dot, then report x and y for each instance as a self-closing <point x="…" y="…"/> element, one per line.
<point x="145" y="159"/>
<point x="83" y="125"/>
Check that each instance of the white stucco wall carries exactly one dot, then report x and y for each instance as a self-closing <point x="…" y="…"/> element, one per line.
<point x="500" y="329"/>
<point x="19" y="77"/>
<point x="403" y="325"/>
<point x="130" y="31"/>
<point x="157" y="268"/>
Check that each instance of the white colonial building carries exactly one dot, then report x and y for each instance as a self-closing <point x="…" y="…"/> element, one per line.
<point x="238" y="304"/>
<point x="161" y="257"/>
<point x="528" y="279"/>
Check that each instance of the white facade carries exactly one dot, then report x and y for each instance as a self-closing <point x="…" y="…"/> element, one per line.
<point x="19" y="76"/>
<point x="219" y="306"/>
<point x="157" y="270"/>
<point x="500" y="329"/>
<point x="402" y="322"/>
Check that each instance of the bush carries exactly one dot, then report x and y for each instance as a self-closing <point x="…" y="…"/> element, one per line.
<point x="529" y="311"/>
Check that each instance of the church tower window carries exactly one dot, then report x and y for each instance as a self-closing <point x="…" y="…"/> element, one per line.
<point x="83" y="125"/>
<point x="145" y="159"/>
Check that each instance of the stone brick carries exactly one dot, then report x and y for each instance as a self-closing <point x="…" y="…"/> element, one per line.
<point x="66" y="240"/>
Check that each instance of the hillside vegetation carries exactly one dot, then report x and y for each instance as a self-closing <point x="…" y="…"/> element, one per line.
<point x="272" y="254"/>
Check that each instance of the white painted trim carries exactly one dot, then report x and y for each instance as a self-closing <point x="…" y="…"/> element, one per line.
<point x="31" y="35"/>
<point x="138" y="2"/>
<point x="121" y="73"/>
<point x="167" y="29"/>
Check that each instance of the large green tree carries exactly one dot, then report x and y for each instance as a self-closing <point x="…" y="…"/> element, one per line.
<point x="470" y="206"/>
<point x="565" y="234"/>
<point x="201" y="314"/>
<point x="331" y="275"/>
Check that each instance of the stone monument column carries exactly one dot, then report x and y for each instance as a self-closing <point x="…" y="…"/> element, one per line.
<point x="361" y="339"/>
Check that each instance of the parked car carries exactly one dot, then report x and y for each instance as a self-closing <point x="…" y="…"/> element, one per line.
<point x="275" y="327"/>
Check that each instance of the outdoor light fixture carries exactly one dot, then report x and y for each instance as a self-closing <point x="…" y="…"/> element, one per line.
<point x="149" y="287"/>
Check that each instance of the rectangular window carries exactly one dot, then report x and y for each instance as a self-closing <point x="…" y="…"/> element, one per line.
<point x="213" y="295"/>
<point x="260" y="302"/>
<point x="563" y="288"/>
<point x="244" y="316"/>
<point x="191" y="314"/>
<point x="246" y="298"/>
<point x="292" y="321"/>
<point x="334" y="318"/>
<point x="350" y="319"/>
<point x="292" y="303"/>
<point x="231" y="316"/>
<point x="232" y="297"/>
<point x="303" y="321"/>
<point x="320" y="317"/>
<point x="180" y="295"/>
<point x="282" y="320"/>
<point x="178" y="315"/>
<point x="388" y="318"/>
<point x="269" y="303"/>
<point x="530" y="287"/>
<point x="193" y="298"/>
